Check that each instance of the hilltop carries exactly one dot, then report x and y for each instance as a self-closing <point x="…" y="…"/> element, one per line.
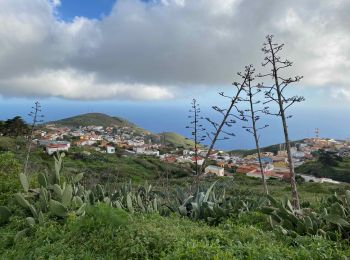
<point x="100" y="119"/>
<point x="97" y="119"/>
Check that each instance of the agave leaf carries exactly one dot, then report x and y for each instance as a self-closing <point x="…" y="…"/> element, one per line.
<point x="187" y="200"/>
<point x="91" y="198"/>
<point x="77" y="202"/>
<point x="335" y="219"/>
<point x="5" y="214"/>
<point x="44" y="194"/>
<point x="78" y="177"/>
<point x="337" y="209"/>
<point x="183" y="210"/>
<point x="22" y="201"/>
<point x="347" y="197"/>
<point x="155" y="205"/>
<point x="301" y="228"/>
<point x="33" y="211"/>
<point x="42" y="180"/>
<point x="118" y="205"/>
<point x="24" y="181"/>
<point x="30" y="221"/>
<point x="289" y="205"/>
<point x="139" y="203"/>
<point x="107" y="200"/>
<point x="67" y="195"/>
<point x="276" y="218"/>
<point x="206" y="197"/>
<point x="308" y="223"/>
<point x="267" y="210"/>
<point x="287" y="224"/>
<point x="58" y="166"/>
<point x="58" y="209"/>
<point x="129" y="203"/>
<point x="58" y="191"/>
<point x="41" y="218"/>
<point x="81" y="210"/>
<point x="321" y="232"/>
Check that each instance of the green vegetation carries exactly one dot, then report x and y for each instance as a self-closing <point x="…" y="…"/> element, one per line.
<point x="14" y="127"/>
<point x="176" y="140"/>
<point x="108" y="233"/>
<point x="271" y="148"/>
<point x="9" y="170"/>
<point x="96" y="119"/>
<point x="339" y="172"/>
<point x="65" y="214"/>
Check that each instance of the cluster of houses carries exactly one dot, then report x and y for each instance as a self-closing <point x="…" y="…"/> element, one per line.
<point x="105" y="140"/>
<point x="275" y="165"/>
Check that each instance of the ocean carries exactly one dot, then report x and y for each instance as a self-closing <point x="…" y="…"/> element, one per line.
<point x="173" y="117"/>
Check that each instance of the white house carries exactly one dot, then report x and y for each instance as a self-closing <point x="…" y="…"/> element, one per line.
<point x="142" y="150"/>
<point x="212" y="169"/>
<point x="139" y="149"/>
<point x="183" y="159"/>
<point x="53" y="148"/>
<point x="187" y="152"/>
<point x="136" y="142"/>
<point x="151" y="152"/>
<point x="110" y="149"/>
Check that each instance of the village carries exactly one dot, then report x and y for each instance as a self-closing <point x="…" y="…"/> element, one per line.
<point x="137" y="143"/>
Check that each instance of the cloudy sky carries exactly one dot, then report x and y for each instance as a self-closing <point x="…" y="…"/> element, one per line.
<point x="126" y="56"/>
<point x="165" y="49"/>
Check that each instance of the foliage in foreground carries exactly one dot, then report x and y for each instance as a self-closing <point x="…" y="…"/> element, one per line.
<point x="64" y="219"/>
<point x="106" y="232"/>
<point x="331" y="220"/>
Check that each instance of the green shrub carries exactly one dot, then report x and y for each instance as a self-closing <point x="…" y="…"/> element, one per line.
<point x="9" y="170"/>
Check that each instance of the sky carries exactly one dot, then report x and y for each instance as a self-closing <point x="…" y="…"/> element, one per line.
<point x="146" y="60"/>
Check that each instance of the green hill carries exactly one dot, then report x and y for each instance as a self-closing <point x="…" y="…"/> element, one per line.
<point x="171" y="138"/>
<point x="97" y="119"/>
<point x="271" y="148"/>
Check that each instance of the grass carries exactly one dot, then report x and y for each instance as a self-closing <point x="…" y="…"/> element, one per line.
<point x="176" y="140"/>
<point x="341" y="172"/>
<point x="107" y="233"/>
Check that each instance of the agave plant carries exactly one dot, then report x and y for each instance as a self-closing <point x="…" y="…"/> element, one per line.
<point x="213" y="207"/>
<point x="143" y="199"/>
<point x="53" y="196"/>
<point x="332" y="219"/>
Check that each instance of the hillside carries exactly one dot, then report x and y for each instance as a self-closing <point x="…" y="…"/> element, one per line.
<point x="171" y="138"/>
<point x="340" y="172"/>
<point x="271" y="148"/>
<point x="99" y="119"/>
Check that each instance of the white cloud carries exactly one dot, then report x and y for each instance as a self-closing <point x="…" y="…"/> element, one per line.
<point x="152" y="51"/>
<point x="71" y="84"/>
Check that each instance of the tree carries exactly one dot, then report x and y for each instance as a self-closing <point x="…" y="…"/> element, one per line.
<point x="276" y="93"/>
<point x="227" y="119"/>
<point x="252" y="116"/>
<point x="14" y="127"/>
<point x="328" y="158"/>
<point x="37" y="118"/>
<point x="197" y="129"/>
